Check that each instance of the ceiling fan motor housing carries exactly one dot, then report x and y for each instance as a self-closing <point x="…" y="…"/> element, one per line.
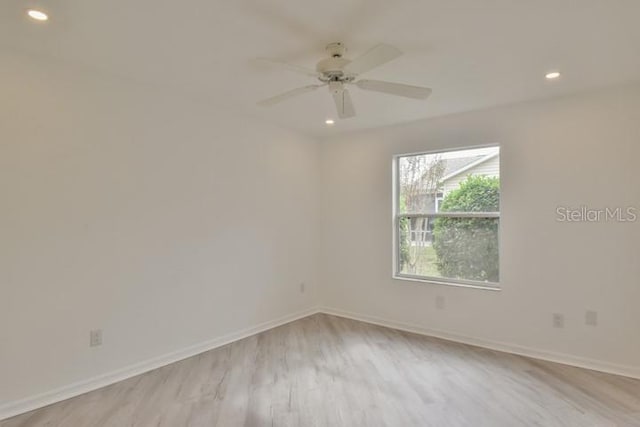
<point x="331" y="69"/>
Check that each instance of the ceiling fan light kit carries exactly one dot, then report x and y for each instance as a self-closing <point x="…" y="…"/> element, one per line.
<point x="337" y="72"/>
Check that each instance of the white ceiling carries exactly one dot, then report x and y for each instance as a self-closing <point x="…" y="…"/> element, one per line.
<point x="473" y="53"/>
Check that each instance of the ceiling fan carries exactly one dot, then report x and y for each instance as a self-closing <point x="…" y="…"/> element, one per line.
<point x="337" y="72"/>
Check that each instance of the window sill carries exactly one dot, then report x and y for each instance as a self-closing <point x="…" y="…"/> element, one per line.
<point x="487" y="287"/>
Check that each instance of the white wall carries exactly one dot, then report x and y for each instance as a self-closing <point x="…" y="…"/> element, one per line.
<point x="165" y="221"/>
<point x="579" y="150"/>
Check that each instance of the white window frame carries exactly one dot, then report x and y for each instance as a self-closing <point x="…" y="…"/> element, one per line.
<point x="397" y="216"/>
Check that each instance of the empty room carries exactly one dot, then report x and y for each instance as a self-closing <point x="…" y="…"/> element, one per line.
<point x="340" y="213"/>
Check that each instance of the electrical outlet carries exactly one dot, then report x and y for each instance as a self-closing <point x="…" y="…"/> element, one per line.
<point x="95" y="337"/>
<point x="558" y="320"/>
<point x="302" y="287"/>
<point x="591" y="318"/>
<point x="440" y="302"/>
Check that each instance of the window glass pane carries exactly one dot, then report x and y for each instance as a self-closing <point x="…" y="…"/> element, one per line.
<point x="419" y="177"/>
<point x="455" y="181"/>
<point x="452" y="248"/>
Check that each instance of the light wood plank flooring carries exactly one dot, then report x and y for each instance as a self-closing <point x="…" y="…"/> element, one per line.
<point x="329" y="371"/>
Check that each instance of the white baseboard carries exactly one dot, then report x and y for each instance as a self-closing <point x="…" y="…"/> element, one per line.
<point x="14" y="408"/>
<point x="565" y="359"/>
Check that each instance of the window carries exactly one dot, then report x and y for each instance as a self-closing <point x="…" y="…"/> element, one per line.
<point x="447" y="217"/>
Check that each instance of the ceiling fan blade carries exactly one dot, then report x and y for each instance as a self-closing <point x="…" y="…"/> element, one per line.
<point x="284" y="96"/>
<point x="373" y="58"/>
<point x="398" y="89"/>
<point x="291" y="67"/>
<point x="344" y="105"/>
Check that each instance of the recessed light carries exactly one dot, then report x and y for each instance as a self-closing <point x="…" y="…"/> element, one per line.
<point x="329" y="122"/>
<point x="552" y="75"/>
<point x="37" y="15"/>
